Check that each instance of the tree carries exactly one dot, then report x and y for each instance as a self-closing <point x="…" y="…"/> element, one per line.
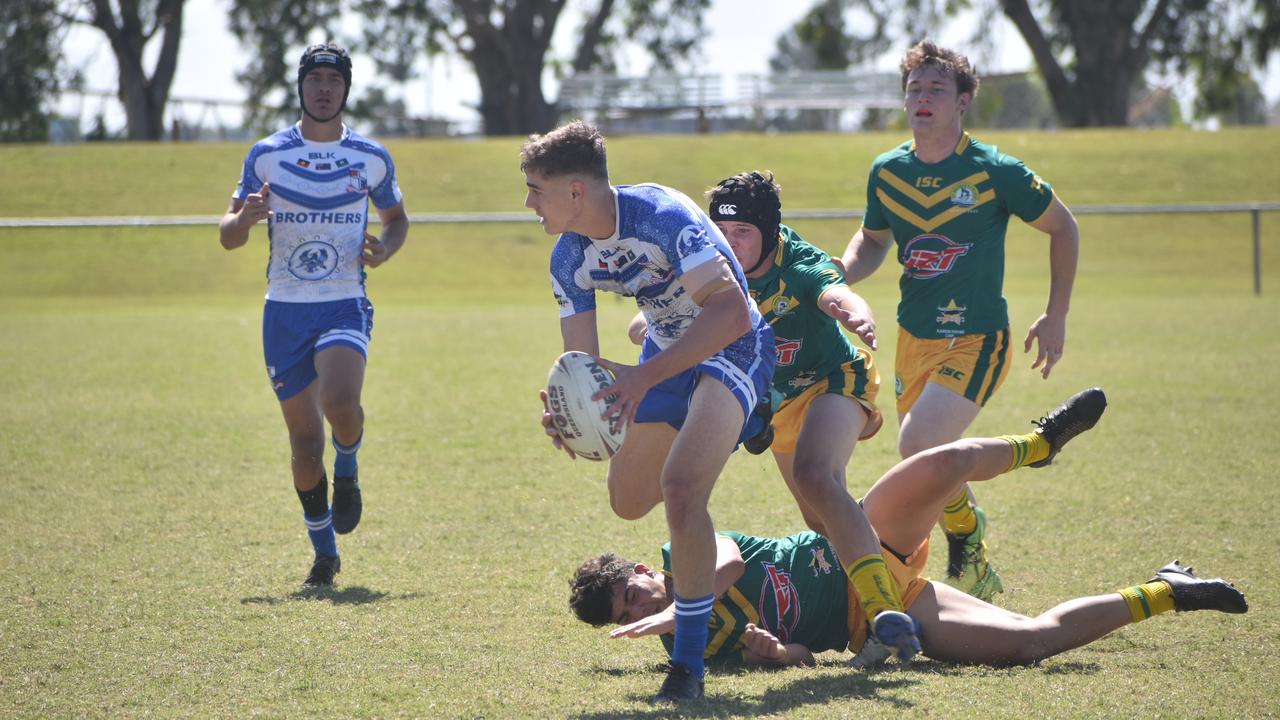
<point x="1091" y="54"/>
<point x="129" y="26"/>
<point x="30" y="52"/>
<point x="277" y="31"/>
<point x="507" y="43"/>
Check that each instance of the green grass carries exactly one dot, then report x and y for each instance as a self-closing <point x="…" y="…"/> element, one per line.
<point x="152" y="543"/>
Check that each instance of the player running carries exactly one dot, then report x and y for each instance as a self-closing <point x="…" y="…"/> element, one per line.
<point x="706" y="361"/>
<point x="782" y="600"/>
<point x="312" y="184"/>
<point x="824" y="385"/>
<point x="946" y="200"/>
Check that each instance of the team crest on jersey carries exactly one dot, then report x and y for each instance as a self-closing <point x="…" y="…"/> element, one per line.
<point x="357" y="181"/>
<point x="304" y="163"/>
<point x="779" y="604"/>
<point x="692" y="239"/>
<point x="928" y="256"/>
<point x="951" y="314"/>
<point x="965" y="195"/>
<point x="342" y="162"/>
<point x="313" y="260"/>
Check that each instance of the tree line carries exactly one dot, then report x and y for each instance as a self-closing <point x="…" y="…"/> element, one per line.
<point x="1090" y="55"/>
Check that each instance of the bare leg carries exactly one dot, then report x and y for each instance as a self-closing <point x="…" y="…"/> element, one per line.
<point x="635" y="473"/>
<point x="904" y="503"/>
<point x="340" y="371"/>
<point x="697" y="456"/>
<point x="817" y="474"/>
<point x="786" y="465"/>
<point x="306" y="437"/>
<point x="960" y="628"/>
<point x="938" y="416"/>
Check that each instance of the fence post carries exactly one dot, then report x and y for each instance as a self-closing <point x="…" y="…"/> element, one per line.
<point x="1257" y="251"/>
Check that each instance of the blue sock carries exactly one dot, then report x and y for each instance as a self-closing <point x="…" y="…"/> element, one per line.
<point x="691" y="632"/>
<point x="320" y="530"/>
<point x="344" y="461"/>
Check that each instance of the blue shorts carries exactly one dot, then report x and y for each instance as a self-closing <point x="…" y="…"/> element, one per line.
<point x="293" y="332"/>
<point x="745" y="367"/>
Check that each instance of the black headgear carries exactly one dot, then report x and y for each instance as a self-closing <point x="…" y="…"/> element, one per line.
<point x="325" y="55"/>
<point x="750" y="198"/>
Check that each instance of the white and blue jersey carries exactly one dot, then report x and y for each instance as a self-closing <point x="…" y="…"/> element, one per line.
<point x="319" y="204"/>
<point x="661" y="234"/>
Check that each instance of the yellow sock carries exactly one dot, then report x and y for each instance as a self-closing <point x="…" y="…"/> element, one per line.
<point x="871" y="578"/>
<point x="958" y="517"/>
<point x="1148" y="599"/>
<point x="1027" y="449"/>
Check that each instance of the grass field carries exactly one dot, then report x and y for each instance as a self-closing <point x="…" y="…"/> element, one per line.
<point x="153" y="548"/>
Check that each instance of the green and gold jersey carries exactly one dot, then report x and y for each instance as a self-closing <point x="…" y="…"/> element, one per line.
<point x="809" y="342"/>
<point x="949" y="221"/>
<point x="793" y="587"/>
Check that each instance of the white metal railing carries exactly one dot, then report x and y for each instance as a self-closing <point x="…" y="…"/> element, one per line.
<point x="816" y="89"/>
<point x="1254" y="209"/>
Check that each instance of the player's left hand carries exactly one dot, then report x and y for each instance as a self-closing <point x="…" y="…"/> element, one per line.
<point x="1050" y="333"/>
<point x="862" y="326"/>
<point x="373" y="253"/>
<point x="631" y="384"/>
<point x="656" y="624"/>
<point x="762" y="643"/>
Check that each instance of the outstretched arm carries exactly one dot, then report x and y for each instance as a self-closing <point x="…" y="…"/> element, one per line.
<point x="1050" y="329"/>
<point x="851" y="311"/>
<point x="729" y="568"/>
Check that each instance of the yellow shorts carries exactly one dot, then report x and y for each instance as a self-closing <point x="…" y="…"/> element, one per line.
<point x="971" y="365"/>
<point x="908" y="576"/>
<point x="857" y="379"/>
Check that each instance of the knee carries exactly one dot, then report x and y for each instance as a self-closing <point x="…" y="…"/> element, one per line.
<point x="307" y="445"/>
<point x="682" y="501"/>
<point x="629" y="507"/>
<point x="955" y="459"/>
<point x="814" y="480"/>
<point x="342" y="409"/>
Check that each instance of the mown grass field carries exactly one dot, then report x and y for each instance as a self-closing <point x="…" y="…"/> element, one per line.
<point x="153" y="549"/>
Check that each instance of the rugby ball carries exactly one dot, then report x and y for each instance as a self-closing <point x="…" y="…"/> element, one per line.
<point x="574" y="378"/>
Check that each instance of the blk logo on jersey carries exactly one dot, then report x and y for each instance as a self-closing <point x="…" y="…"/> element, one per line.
<point x="779" y="605"/>
<point x="313" y="260"/>
<point x="928" y="256"/>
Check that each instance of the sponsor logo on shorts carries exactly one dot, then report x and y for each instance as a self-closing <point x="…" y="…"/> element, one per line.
<point x="313" y="260"/>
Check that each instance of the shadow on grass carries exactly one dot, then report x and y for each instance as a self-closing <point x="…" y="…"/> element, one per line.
<point x="804" y="691"/>
<point x="352" y="595"/>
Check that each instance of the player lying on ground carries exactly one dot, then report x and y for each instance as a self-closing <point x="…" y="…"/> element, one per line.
<point x="781" y="600"/>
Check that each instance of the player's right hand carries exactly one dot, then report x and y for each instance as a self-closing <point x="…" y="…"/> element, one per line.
<point x="656" y="624"/>
<point x="549" y="427"/>
<point x="764" y="644"/>
<point x="255" y="206"/>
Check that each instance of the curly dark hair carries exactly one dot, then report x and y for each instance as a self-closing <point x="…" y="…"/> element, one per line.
<point x="949" y="62"/>
<point x="591" y="589"/>
<point x="572" y="148"/>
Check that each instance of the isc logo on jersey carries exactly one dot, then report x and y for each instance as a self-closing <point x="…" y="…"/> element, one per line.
<point x="928" y="256"/>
